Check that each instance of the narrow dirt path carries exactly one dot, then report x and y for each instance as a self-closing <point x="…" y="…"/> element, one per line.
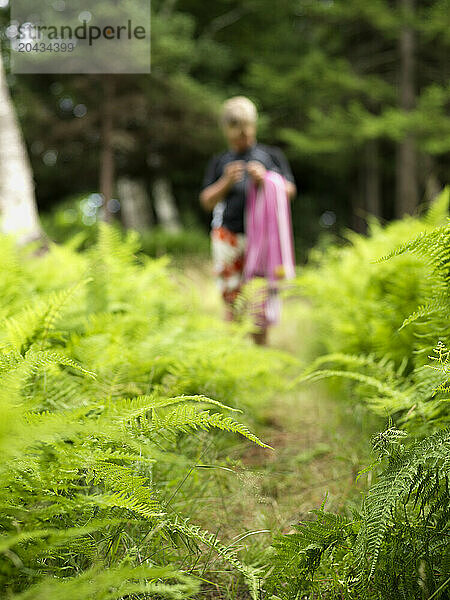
<point x="320" y="443"/>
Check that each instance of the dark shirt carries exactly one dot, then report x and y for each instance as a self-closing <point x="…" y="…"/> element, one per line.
<point x="230" y="211"/>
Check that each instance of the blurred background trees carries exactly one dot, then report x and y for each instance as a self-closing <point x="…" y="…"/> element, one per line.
<point x="356" y="93"/>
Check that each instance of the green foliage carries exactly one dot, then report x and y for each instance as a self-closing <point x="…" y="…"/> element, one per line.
<point x="396" y="547"/>
<point x="364" y="301"/>
<point x="114" y="584"/>
<point x="105" y="369"/>
<point x="386" y="317"/>
<point x="410" y="498"/>
<point x="188" y="242"/>
<point x="72" y="220"/>
<point x="69" y="219"/>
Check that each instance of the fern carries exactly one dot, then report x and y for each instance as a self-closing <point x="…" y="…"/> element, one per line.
<point x="114" y="584"/>
<point x="228" y="554"/>
<point x="412" y="395"/>
<point x="403" y="524"/>
<point x="298" y="556"/>
<point x="396" y="545"/>
<point x="104" y="367"/>
<point x="186" y="418"/>
<point x="407" y="467"/>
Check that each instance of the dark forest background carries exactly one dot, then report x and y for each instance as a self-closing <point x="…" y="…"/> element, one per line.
<point x="356" y="93"/>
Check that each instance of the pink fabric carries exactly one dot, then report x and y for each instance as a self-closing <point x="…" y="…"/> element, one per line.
<point x="270" y="244"/>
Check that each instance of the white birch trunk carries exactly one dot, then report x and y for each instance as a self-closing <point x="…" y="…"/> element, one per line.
<point x="18" y="211"/>
<point x="135" y="204"/>
<point x="165" y="206"/>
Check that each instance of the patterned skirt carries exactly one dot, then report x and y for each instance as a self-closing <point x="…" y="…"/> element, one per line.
<point x="258" y="299"/>
<point x="228" y="251"/>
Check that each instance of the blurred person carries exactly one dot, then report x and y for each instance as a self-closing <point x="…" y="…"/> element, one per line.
<point x="231" y="184"/>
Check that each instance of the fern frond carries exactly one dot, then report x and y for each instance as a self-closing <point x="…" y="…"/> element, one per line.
<point x="384" y="442"/>
<point x="438" y="210"/>
<point x="354" y="360"/>
<point x="34" y="361"/>
<point x="54" y="536"/>
<point x="34" y="324"/>
<point x="126" y="489"/>
<point x="81" y="449"/>
<point x="114" y="584"/>
<point x="226" y="553"/>
<point x="131" y="409"/>
<point x="391" y="399"/>
<point x="186" y="418"/>
<point x="432" y="241"/>
<point x="392" y="485"/>
<point x="439" y="304"/>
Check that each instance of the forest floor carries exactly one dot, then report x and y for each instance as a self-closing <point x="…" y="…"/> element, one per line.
<point x="319" y="442"/>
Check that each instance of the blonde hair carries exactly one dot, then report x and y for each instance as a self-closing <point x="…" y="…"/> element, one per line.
<point x="237" y="111"/>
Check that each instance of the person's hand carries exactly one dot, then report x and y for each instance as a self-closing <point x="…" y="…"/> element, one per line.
<point x="234" y="171"/>
<point x="257" y="171"/>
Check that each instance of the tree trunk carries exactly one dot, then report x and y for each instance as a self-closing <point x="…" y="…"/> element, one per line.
<point x="432" y="185"/>
<point x="358" y="221"/>
<point x="406" y="167"/>
<point x="135" y="204"/>
<point x="107" y="148"/>
<point x="165" y="206"/>
<point x="372" y="179"/>
<point x="18" y="210"/>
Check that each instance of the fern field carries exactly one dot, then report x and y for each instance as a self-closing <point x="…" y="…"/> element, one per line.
<point x="121" y="398"/>
<point x="396" y="362"/>
<point x="113" y="385"/>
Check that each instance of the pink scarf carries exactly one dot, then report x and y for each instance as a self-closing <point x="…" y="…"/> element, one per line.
<point x="270" y="245"/>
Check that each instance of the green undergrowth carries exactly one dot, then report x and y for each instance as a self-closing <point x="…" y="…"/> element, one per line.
<point x="131" y="472"/>
<point x="79" y="217"/>
<point x="381" y="306"/>
<point x="115" y="385"/>
<point x="378" y="321"/>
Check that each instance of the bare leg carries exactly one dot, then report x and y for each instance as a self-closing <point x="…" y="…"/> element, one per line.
<point x="260" y="337"/>
<point x="229" y="314"/>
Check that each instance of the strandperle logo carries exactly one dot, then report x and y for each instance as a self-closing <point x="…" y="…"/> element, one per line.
<point x="37" y="32"/>
<point x="71" y="36"/>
